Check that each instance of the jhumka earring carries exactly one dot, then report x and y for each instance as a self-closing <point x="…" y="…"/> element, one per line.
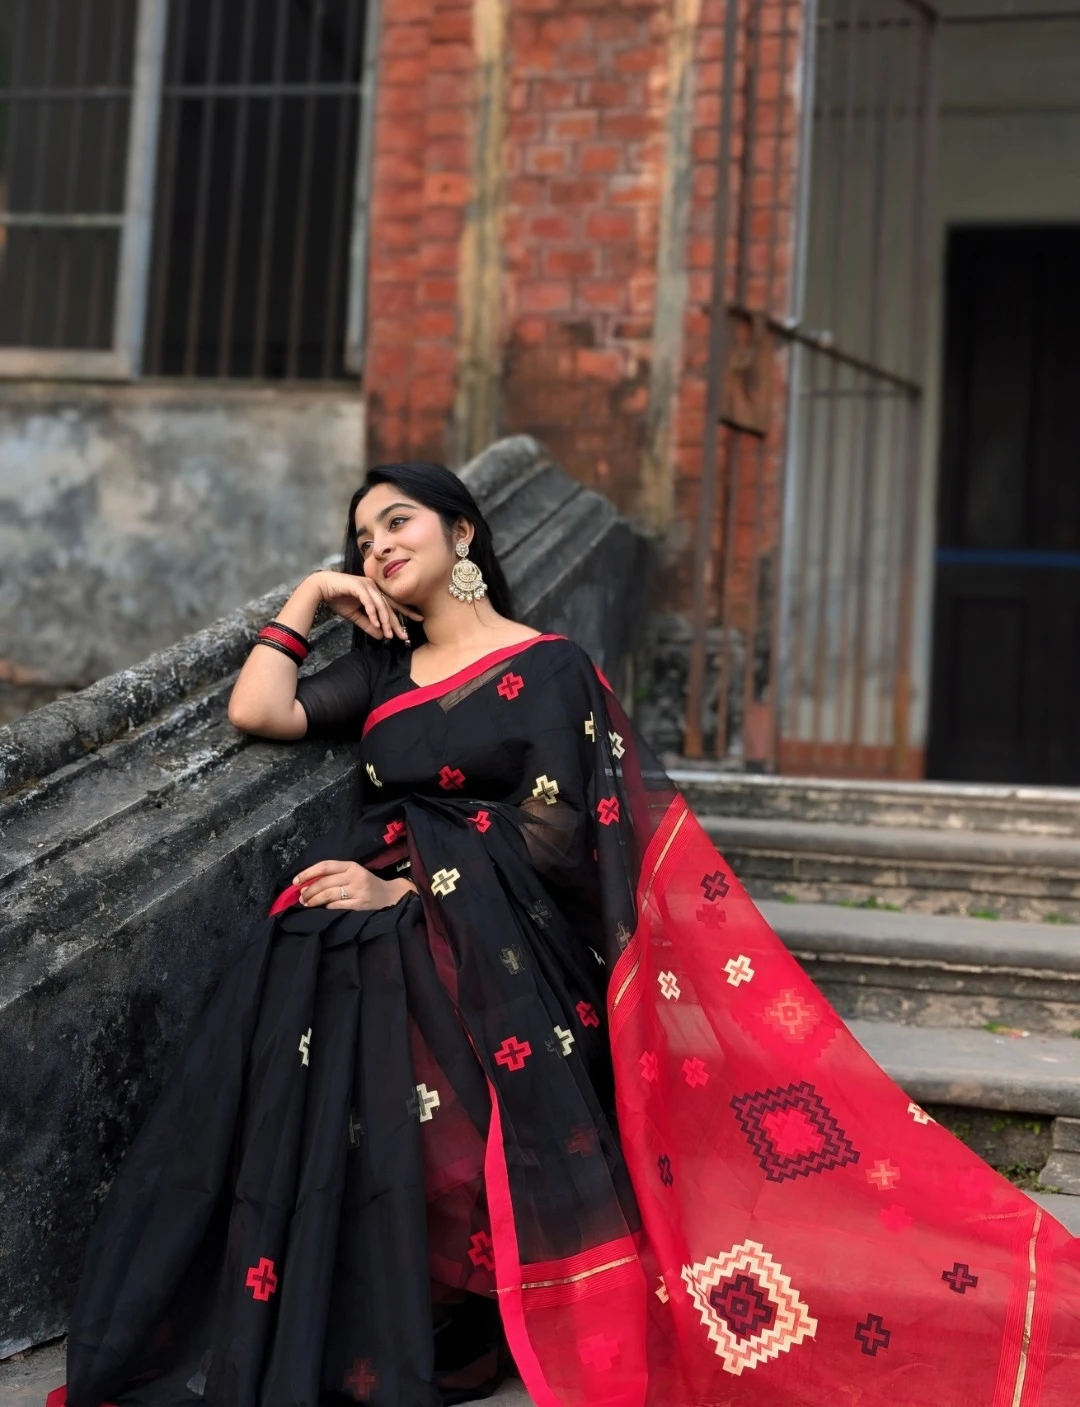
<point x="466" y="582"/>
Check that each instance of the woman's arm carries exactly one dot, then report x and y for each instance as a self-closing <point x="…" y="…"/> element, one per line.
<point x="263" y="699"/>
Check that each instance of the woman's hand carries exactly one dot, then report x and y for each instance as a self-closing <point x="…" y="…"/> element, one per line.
<point x="359" y="600"/>
<point x="321" y="886"/>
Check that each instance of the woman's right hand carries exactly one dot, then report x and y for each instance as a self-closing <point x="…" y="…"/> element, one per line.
<point x="357" y="599"/>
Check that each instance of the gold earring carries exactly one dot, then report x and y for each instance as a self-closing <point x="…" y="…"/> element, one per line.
<point x="466" y="582"/>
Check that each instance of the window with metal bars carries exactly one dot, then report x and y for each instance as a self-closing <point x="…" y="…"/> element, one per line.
<point x="183" y="187"/>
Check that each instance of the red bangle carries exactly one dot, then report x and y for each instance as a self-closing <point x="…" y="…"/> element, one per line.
<point x="289" y="640"/>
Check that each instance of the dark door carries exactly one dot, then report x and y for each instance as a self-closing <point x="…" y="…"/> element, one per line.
<point x="1006" y="672"/>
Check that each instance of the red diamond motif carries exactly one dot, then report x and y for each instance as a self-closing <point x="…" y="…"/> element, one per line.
<point x="451" y="779"/>
<point x="513" y="1053"/>
<point x="695" y="1073"/>
<point x="482" y="821"/>
<point x="480" y="1251"/>
<point x="587" y="1012"/>
<point x="261" y="1280"/>
<point x="608" y="810"/>
<point x="393" y="830"/>
<point x="510" y="685"/>
<point x="360" y="1380"/>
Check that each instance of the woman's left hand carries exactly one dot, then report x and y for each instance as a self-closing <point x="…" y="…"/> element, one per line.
<point x="321" y="886"/>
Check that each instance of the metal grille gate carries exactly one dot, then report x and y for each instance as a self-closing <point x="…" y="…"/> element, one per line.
<point x="807" y="592"/>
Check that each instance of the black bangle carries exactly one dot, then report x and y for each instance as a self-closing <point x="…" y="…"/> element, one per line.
<point x="276" y="645"/>
<point x="300" y="639"/>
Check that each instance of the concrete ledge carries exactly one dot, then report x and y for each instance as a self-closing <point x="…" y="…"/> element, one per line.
<point x="141" y="834"/>
<point x="1030" y="1075"/>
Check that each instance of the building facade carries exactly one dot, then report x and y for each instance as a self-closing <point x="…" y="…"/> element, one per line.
<point x="792" y="281"/>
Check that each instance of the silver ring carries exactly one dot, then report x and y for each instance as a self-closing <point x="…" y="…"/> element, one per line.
<point x="344" y="892"/>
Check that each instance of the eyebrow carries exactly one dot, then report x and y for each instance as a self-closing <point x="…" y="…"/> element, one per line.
<point x="381" y="515"/>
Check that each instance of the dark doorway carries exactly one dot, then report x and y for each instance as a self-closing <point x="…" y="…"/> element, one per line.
<point x="1005" y="701"/>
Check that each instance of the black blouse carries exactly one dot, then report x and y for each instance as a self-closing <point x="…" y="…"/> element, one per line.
<point x="338" y="698"/>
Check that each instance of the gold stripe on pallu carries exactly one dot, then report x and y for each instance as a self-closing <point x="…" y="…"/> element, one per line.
<point x="581" y="1275"/>
<point x="644" y="900"/>
<point x="1029" y="1311"/>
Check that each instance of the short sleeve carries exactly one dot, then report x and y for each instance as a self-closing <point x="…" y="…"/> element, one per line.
<point x="337" y="698"/>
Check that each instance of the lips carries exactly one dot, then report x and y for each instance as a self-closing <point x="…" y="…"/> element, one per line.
<point x="391" y="567"/>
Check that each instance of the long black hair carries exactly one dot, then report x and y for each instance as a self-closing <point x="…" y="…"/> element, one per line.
<point x="436" y="488"/>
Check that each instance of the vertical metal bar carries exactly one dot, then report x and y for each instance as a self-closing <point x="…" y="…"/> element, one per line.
<point x="202" y="201"/>
<point x="347" y="105"/>
<point x="303" y="203"/>
<point x="729" y="514"/>
<point x="870" y="447"/>
<point x="75" y="127"/>
<point x="356" y="305"/>
<point x="821" y="640"/>
<point x="703" y="554"/>
<point x="236" y="178"/>
<point x="802" y="477"/>
<point x="266" y="243"/>
<point x="108" y="143"/>
<point x="762" y="457"/>
<point x="163" y="268"/>
<point x="41" y="142"/>
<point x="18" y="38"/>
<point x="130" y="318"/>
<point x="922" y="245"/>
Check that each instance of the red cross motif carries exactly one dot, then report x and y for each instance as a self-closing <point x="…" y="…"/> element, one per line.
<point x="587" y="1012"/>
<point x="608" y="810"/>
<point x="650" y="1066"/>
<point x="510" y="685"/>
<point x="360" y="1379"/>
<point x="451" y="779"/>
<point x="711" y="916"/>
<point x="695" y="1073"/>
<point x="896" y="1218"/>
<point x="599" y="1352"/>
<point x="480" y="1249"/>
<point x="393" y="830"/>
<point x="482" y="821"/>
<point x="513" y="1053"/>
<point x="883" y="1175"/>
<point x="261" y="1280"/>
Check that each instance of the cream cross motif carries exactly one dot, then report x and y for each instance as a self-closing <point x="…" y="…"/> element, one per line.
<point x="370" y="770"/>
<point x="305" y="1046"/>
<point x="919" y="1115"/>
<point x="428" y="1102"/>
<point x="615" y="739"/>
<point x="669" y="986"/>
<point x="661" y="1291"/>
<point x="548" y="789"/>
<point x="738" y="970"/>
<point x="566" y="1039"/>
<point x="590" y="727"/>
<point x="445" y="881"/>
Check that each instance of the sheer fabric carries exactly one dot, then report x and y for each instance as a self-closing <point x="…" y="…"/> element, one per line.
<point x="576" y="1091"/>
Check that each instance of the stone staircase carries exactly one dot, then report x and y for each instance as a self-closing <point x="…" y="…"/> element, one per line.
<point x="943" y="923"/>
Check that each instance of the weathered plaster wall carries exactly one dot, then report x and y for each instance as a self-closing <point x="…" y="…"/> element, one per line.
<point x="130" y="516"/>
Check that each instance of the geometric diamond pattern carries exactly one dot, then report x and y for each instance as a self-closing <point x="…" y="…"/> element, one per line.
<point x="792" y="1015"/>
<point x="748" y="1306"/>
<point x="792" y="1132"/>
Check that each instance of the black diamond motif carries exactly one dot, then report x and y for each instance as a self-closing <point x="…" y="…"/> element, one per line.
<point x="743" y="1306"/>
<point x="834" y="1148"/>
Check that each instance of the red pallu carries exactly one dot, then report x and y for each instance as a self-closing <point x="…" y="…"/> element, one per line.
<point x="810" y="1235"/>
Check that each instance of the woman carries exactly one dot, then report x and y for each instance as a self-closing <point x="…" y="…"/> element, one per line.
<point x="514" y="1061"/>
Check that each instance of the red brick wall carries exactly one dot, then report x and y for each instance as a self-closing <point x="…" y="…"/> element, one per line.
<point x="421" y="186"/>
<point x="584" y="150"/>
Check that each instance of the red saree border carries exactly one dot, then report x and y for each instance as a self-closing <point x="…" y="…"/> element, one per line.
<point x="424" y="693"/>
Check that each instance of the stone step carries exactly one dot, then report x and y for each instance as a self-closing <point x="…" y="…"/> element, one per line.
<point x="934" y="970"/>
<point x="949" y="806"/>
<point x="1024" y="877"/>
<point x="972" y="1069"/>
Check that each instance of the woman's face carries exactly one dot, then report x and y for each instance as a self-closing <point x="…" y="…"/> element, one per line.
<point x="403" y="544"/>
